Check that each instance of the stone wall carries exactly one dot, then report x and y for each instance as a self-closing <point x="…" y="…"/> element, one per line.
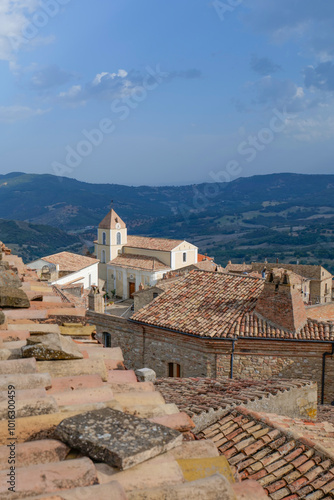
<point x="262" y="359"/>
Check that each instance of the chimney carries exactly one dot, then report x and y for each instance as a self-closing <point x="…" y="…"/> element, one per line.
<point x="141" y="287"/>
<point x="281" y="302"/>
<point x="277" y="260"/>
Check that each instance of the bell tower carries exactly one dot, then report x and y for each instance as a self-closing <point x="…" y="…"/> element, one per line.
<point x="111" y="237"/>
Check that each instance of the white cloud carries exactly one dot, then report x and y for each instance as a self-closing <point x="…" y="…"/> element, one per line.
<point x="120" y="73"/>
<point x="12" y="114"/>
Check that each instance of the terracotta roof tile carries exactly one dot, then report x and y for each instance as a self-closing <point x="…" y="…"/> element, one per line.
<point x="152" y="243"/>
<point x="221" y="305"/>
<point x="111" y="220"/>
<point x="133" y="261"/>
<point x="68" y="261"/>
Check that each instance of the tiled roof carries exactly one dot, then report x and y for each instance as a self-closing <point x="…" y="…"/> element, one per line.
<point x="162" y="244"/>
<point x="286" y="464"/>
<point x="240" y="268"/>
<point x="221" y="305"/>
<point x="70" y="261"/>
<point x="111" y="220"/>
<point x="133" y="261"/>
<point x="197" y="395"/>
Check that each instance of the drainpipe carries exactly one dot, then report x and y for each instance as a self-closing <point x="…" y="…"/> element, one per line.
<point x="232" y="358"/>
<point x="323" y="374"/>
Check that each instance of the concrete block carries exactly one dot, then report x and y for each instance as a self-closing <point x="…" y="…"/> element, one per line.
<point x="46" y="478"/>
<point x="146" y="375"/>
<point x="73" y="368"/>
<point x="115" y="438"/>
<point x="34" y="452"/>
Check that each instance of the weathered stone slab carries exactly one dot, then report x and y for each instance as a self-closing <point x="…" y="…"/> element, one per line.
<point x="146" y="375"/>
<point x="73" y="368"/>
<point x="73" y="383"/>
<point x="34" y="452"/>
<point x="13" y="297"/>
<point x="84" y="396"/>
<point x="212" y="488"/>
<point x="51" y="346"/>
<point x="25" y="381"/>
<point x="9" y="278"/>
<point x="115" y="438"/>
<point x="46" y="478"/>
<point x="18" y="366"/>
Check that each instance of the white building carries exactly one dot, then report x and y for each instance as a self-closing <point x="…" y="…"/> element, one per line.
<point x="127" y="261"/>
<point x="66" y="268"/>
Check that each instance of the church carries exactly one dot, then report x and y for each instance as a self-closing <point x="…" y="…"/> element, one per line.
<point x="127" y="262"/>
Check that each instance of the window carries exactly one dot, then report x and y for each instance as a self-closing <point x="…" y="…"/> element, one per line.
<point x="103" y="257"/>
<point x="184" y="256"/>
<point x="104" y="238"/>
<point x="118" y="239"/>
<point x="326" y="288"/>
<point x="174" y="370"/>
<point x="107" y="339"/>
<point x="155" y="294"/>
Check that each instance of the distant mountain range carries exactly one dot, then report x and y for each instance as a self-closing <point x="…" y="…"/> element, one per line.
<point x="290" y="216"/>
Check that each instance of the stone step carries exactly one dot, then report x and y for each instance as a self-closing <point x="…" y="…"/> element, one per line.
<point x="84" y="396"/>
<point x="33" y="453"/>
<point x="122" y="376"/>
<point x="25" y="381"/>
<point x="150" y="411"/>
<point x="110" y="491"/>
<point x="180" y="421"/>
<point x="132" y="387"/>
<point x="73" y="383"/>
<point x="139" y="398"/>
<point x="212" y="488"/>
<point x="104" y="353"/>
<point x="75" y="367"/>
<point x="17" y="366"/>
<point x="46" y="478"/>
<point x="14" y="335"/>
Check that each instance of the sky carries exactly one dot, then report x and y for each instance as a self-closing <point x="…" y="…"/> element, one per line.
<point x="166" y="93"/>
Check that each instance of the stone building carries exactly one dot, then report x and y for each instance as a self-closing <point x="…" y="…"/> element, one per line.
<point x="219" y="325"/>
<point x="315" y="281"/>
<point x="127" y="261"/>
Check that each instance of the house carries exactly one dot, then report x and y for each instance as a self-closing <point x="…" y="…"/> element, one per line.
<point x="67" y="268"/>
<point x="222" y="325"/>
<point x="127" y="261"/>
<point x="315" y="281"/>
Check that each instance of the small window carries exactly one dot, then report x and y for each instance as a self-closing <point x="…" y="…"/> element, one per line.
<point x="174" y="370"/>
<point x="155" y="294"/>
<point x="326" y="288"/>
<point x="184" y="256"/>
<point x="104" y="238"/>
<point x="103" y="257"/>
<point x="118" y="239"/>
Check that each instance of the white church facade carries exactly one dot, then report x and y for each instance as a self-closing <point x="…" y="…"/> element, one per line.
<point x="127" y="261"/>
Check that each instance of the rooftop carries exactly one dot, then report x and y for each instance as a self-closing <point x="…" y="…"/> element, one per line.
<point x="142" y="262"/>
<point x="306" y="270"/>
<point x="112" y="221"/>
<point x="161" y="244"/>
<point x="219" y="305"/>
<point x="68" y="261"/>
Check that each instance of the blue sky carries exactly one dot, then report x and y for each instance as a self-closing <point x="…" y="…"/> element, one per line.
<point x="176" y="92"/>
